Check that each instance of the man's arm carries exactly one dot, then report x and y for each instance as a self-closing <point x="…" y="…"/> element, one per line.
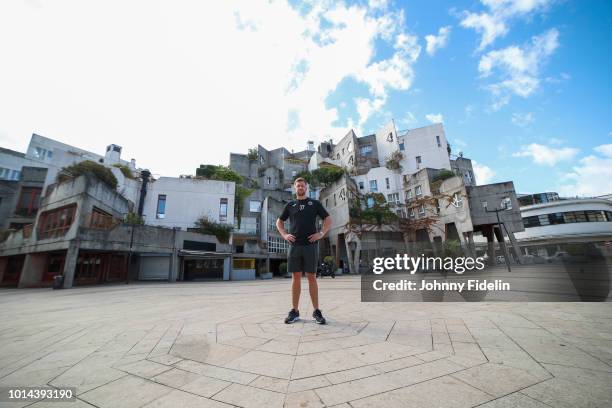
<point x="280" y="226"/>
<point x="327" y="222"/>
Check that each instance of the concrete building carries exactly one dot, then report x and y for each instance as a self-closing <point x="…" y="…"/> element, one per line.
<point x="550" y="226"/>
<point x="79" y="233"/>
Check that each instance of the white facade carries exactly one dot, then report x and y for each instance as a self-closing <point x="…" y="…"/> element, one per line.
<point x="577" y="219"/>
<point x="386" y="142"/>
<point x="186" y="200"/>
<point x="424" y="147"/>
<point x="11" y="164"/>
<point x="387" y="182"/>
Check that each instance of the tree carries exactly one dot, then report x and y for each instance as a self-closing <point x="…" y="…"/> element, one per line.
<point x="394" y="159"/>
<point x="218" y="172"/>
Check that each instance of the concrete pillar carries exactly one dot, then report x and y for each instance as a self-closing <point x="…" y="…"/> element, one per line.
<point x="174" y="262"/>
<point x="33" y="268"/>
<point x="3" y="263"/>
<point x="70" y="262"/>
<point x="227" y="265"/>
<point x="487" y="231"/>
<point x="470" y="243"/>
<point x="500" y="238"/>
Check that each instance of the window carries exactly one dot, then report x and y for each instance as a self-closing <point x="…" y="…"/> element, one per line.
<point x="223" y="210"/>
<point x="28" y="201"/>
<point x="408" y="195"/>
<point x="312" y="194"/>
<point x="373" y="186"/>
<point x="343" y="151"/>
<point x="269" y="180"/>
<point x="365" y="150"/>
<point x="418" y="191"/>
<point x="293" y="173"/>
<point x="595" y="216"/>
<point x="101" y="219"/>
<point x="529" y="222"/>
<point x="393" y="198"/>
<point x="254" y="206"/>
<point x="361" y="185"/>
<point x="457" y="200"/>
<point x="277" y="245"/>
<point x="161" y="206"/>
<point x="338" y="156"/>
<point x="401" y="146"/>
<point x="370" y="202"/>
<point x="506" y="203"/>
<point x="42" y="154"/>
<point x="342" y="195"/>
<point x="349" y="146"/>
<point x="388" y="185"/>
<point x="390" y="137"/>
<point x="556" y="218"/>
<point x="422" y="210"/>
<point x="335" y="203"/>
<point x="438" y="141"/>
<point x="484" y="204"/>
<point x="412" y="213"/>
<point x="418" y="161"/>
<point x="55" y="223"/>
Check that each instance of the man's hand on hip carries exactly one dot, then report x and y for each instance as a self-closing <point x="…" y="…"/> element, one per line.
<point x="315" y="237"/>
<point x="289" y="237"/>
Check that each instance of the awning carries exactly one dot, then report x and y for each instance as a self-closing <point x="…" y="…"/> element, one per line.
<point x="203" y="254"/>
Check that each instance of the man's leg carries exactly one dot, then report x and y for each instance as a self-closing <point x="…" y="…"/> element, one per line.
<point x="296" y="288"/>
<point x="313" y="288"/>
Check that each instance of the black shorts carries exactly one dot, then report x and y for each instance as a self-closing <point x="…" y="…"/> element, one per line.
<point x="302" y="258"/>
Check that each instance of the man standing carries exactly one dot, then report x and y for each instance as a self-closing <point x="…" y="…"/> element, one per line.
<point x="302" y="254"/>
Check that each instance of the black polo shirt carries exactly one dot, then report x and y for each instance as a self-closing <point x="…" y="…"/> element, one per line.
<point x="302" y="216"/>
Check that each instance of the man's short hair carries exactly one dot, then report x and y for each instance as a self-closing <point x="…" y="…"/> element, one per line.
<point x="302" y="179"/>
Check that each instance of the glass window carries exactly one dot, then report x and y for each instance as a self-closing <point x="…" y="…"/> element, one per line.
<point x="361" y="185"/>
<point x="556" y="218"/>
<point x="506" y="203"/>
<point x="438" y="141"/>
<point x="409" y="195"/>
<point x="595" y="216"/>
<point x="543" y="219"/>
<point x="457" y="200"/>
<point x="418" y="160"/>
<point x="223" y="210"/>
<point x="373" y="185"/>
<point x="422" y="209"/>
<point x="418" y="191"/>
<point x="370" y="202"/>
<point x="401" y="146"/>
<point x="254" y="206"/>
<point x="365" y="150"/>
<point x="529" y="222"/>
<point x="161" y="206"/>
<point x="387" y="183"/>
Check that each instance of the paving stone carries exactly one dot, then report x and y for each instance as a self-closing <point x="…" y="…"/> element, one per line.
<point x="303" y="399"/>
<point x="205" y="386"/>
<point x="271" y="384"/>
<point x="308" y="384"/>
<point x="496" y="379"/>
<point x="250" y="397"/>
<point x="440" y="393"/>
<point x="175" y="378"/>
<point x="216" y="372"/>
<point x="128" y="392"/>
<point x="513" y="401"/>
<point x="182" y="399"/>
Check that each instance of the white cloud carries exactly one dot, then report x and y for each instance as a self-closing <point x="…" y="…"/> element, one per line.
<point x="545" y="155"/>
<point x="517" y="68"/>
<point x="522" y="119"/>
<point x="408" y="120"/>
<point x="592" y="176"/>
<point x="435" y="43"/>
<point x="494" y="22"/>
<point x="183" y="83"/>
<point x="484" y="174"/>
<point x="434" y="117"/>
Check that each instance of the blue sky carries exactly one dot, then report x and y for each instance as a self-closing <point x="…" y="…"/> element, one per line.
<point x="522" y="86"/>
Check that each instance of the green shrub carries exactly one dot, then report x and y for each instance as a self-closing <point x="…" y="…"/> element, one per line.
<point x="282" y="268"/>
<point x="133" y="219"/>
<point x="218" y="172"/>
<point x="204" y="225"/>
<point x="98" y="170"/>
<point x="127" y="173"/>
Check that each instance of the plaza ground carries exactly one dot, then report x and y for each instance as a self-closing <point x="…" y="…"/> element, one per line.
<point x="222" y="344"/>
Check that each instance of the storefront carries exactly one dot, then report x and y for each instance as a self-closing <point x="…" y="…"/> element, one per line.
<point x="203" y="265"/>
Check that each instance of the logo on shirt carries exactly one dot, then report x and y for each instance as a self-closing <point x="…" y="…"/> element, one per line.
<point x="310" y="203"/>
<point x="302" y="206"/>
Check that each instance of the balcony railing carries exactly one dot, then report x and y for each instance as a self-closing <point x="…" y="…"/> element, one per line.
<point x="27" y="230"/>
